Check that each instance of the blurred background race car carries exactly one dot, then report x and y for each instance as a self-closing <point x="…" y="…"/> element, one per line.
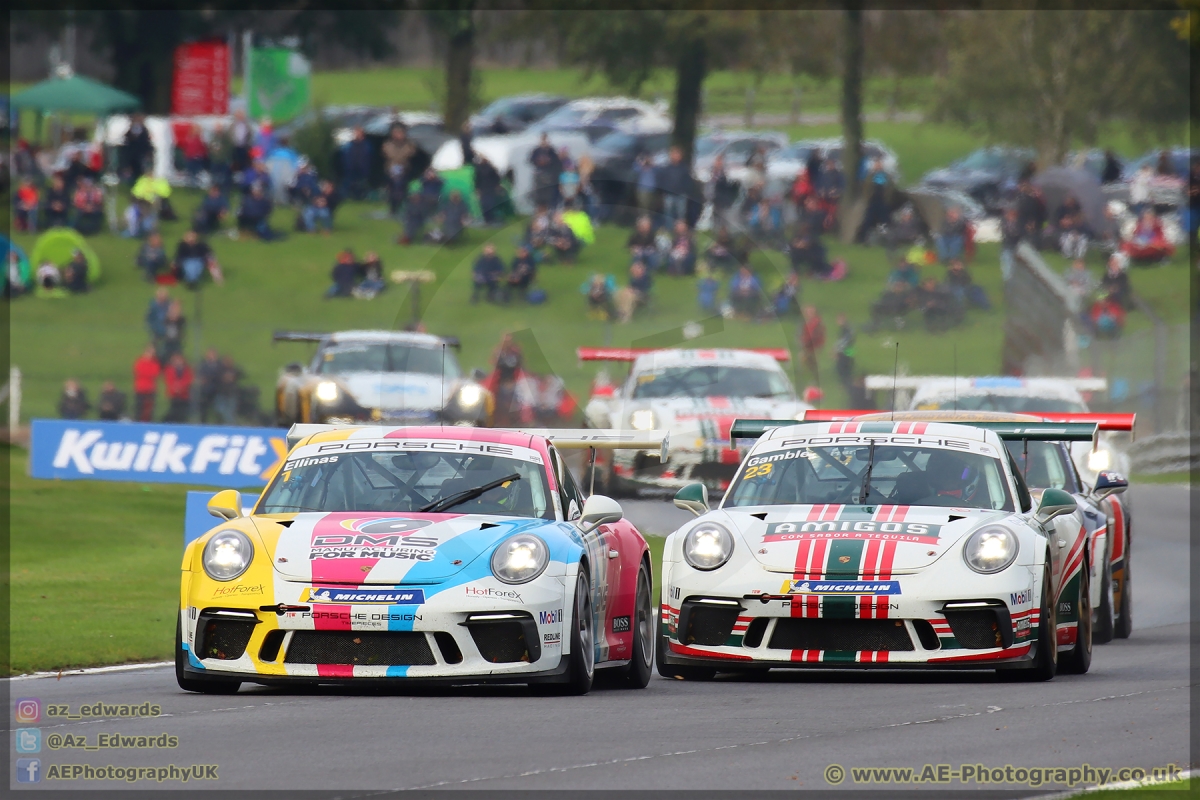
<point x="387" y="376"/>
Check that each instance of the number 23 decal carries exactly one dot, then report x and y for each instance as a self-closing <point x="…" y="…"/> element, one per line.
<point x="758" y="471"/>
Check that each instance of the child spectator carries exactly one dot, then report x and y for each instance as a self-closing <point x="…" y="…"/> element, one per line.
<point x="27" y="207"/>
<point x="372" y="282"/>
<point x="1115" y="282"/>
<point x="641" y="243"/>
<point x="681" y="258"/>
<point x="88" y="203"/>
<point x="521" y="272"/>
<point x="568" y="179"/>
<point x="538" y="229"/>
<point x="431" y="191"/>
<point x="111" y="404"/>
<point x="48" y="279"/>
<point x="152" y="257"/>
<point x="212" y="211"/>
<point x="965" y="290"/>
<point x="75" y="274"/>
<point x="636" y="294"/>
<point x="1073" y="235"/>
<point x="145" y="383"/>
<point x="707" y="290"/>
<point x="414" y="219"/>
<point x="1107" y="317"/>
<point x="486" y="275"/>
<point x="178" y="379"/>
<point x="452" y="221"/>
<point x="193" y="258"/>
<point x="787" y="297"/>
<point x="58" y="203"/>
<point x="344" y="274"/>
<point x="745" y="293"/>
<point x="174" y="327"/>
<point x="73" y="402"/>
<point x="139" y="220"/>
<point x="952" y="240"/>
<point x="562" y="240"/>
<point x="723" y="253"/>
<point x="600" y="291"/>
<point x="317" y="216"/>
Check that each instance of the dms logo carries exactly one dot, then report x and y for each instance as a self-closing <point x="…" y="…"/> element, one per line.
<point x="389" y="532"/>
<point x="550" y="617"/>
<point x="1020" y="598"/>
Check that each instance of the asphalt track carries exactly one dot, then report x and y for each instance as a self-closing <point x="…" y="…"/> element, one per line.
<point x="782" y="732"/>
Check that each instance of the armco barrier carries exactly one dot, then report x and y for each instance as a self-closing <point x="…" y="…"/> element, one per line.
<point x="1165" y="452"/>
<point x="205" y="455"/>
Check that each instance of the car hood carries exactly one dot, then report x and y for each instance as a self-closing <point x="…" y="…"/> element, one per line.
<point x="913" y="537"/>
<point x="703" y="421"/>
<point x="356" y="548"/>
<point x="397" y="391"/>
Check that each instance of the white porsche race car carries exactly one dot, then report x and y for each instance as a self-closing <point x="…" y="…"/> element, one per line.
<point x="879" y="544"/>
<point x="694" y="394"/>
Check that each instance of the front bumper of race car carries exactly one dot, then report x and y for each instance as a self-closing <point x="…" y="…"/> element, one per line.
<point x="482" y="631"/>
<point x="929" y="619"/>
<point x="713" y="466"/>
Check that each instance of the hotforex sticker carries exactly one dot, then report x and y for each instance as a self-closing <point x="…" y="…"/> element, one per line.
<point x="841" y="587"/>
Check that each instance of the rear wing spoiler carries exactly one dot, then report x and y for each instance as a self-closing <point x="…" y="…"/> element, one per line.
<point x="911" y="382"/>
<point x="605" y="439"/>
<point x="632" y="353"/>
<point x="1102" y="421"/>
<point x="563" y="438"/>
<point x="1008" y="431"/>
<point x="313" y="336"/>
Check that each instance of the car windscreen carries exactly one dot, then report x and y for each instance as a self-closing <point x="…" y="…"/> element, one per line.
<point x="1044" y="465"/>
<point x="710" y="381"/>
<point x="1015" y="404"/>
<point x="863" y="475"/>
<point x="382" y="357"/>
<point x="408" y="481"/>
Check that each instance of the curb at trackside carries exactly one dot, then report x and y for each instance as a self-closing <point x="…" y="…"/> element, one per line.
<point x="66" y="673"/>
<point x="1146" y="782"/>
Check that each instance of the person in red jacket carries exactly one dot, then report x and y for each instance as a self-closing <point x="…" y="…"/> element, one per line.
<point x="145" y="384"/>
<point x="178" y="377"/>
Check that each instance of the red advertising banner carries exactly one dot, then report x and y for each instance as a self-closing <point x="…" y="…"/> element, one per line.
<point x="201" y="83"/>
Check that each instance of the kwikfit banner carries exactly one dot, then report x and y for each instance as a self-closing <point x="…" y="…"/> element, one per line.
<point x="206" y="455"/>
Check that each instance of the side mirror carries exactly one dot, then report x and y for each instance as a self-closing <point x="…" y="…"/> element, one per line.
<point x="478" y="375"/>
<point x="693" y="498"/>
<point x="1109" y="483"/>
<point x="226" y="504"/>
<point x="294" y="368"/>
<point x="1055" y="503"/>
<point x="599" y="510"/>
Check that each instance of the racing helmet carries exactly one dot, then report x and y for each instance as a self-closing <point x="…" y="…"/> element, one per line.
<point x="950" y="476"/>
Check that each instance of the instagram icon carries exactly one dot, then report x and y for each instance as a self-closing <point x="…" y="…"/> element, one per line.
<point x="29" y="710"/>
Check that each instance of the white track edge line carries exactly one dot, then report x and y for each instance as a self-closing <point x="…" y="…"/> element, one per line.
<point x="91" y="671"/>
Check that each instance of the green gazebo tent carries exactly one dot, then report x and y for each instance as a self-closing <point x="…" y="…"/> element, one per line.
<point x="75" y="94"/>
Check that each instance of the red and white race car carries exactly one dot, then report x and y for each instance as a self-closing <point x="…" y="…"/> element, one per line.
<point x="694" y="394"/>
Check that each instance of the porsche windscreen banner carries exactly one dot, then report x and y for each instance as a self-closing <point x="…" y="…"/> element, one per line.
<point x="203" y="455"/>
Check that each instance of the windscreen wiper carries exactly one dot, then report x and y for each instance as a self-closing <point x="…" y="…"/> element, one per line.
<point x="467" y="494"/>
<point x="866" y="487"/>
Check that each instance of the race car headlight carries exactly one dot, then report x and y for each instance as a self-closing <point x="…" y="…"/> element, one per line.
<point x="1099" y="460"/>
<point x="520" y="559"/>
<point x="642" y="420"/>
<point x="470" y="395"/>
<point x="327" y="391"/>
<point x="990" y="549"/>
<point x="227" y="555"/>
<point x="707" y="546"/>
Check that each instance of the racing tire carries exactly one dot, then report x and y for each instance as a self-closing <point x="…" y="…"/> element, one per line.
<point x="641" y="660"/>
<point x="1124" y="623"/>
<point x="581" y="664"/>
<point x="683" y="673"/>
<point x="1045" y="663"/>
<point x="191" y="684"/>
<point x="1103" y="621"/>
<point x="1078" y="659"/>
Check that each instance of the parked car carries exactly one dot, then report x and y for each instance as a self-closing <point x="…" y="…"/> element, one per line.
<point x="785" y="164"/>
<point x="735" y="147"/>
<point x="614" y="157"/>
<point x="989" y="174"/>
<point x="514" y="114"/>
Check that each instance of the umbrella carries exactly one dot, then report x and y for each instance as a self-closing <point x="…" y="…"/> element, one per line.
<point x="24" y="274"/>
<point x="1058" y="182"/>
<point x="75" y="94"/>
